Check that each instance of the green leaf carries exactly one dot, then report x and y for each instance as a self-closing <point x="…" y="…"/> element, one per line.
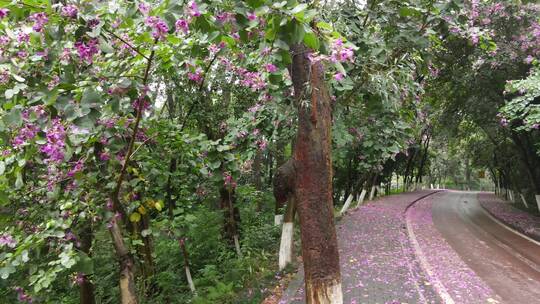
<point x="135" y="217"/>
<point x="90" y="98"/>
<point x="299" y="8"/>
<point x="298" y="32"/>
<point x="311" y="41"/>
<point x="325" y="26"/>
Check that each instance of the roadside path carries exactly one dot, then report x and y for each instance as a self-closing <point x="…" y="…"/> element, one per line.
<point x="378" y="262"/>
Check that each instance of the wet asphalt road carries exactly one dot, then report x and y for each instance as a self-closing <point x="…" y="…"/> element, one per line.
<point x="507" y="262"/>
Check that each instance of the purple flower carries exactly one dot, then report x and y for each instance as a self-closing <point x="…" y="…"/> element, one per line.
<point x="79" y="278"/>
<point x="159" y="27"/>
<point x="93" y="22"/>
<point x="28" y="132"/>
<point x="53" y="83"/>
<point x="4" y="76"/>
<point x="339" y="76"/>
<point x="87" y="51"/>
<point x="214" y="49"/>
<point x="529" y="59"/>
<point x="182" y="25"/>
<point x="104" y="156"/>
<point x="193" y="9"/>
<point x="252" y="16"/>
<point x="144" y="8"/>
<point x="78" y="167"/>
<point x="340" y="53"/>
<point x="4" y="40"/>
<point x="40" y="19"/>
<point x="22" y="54"/>
<point x="228" y="180"/>
<point x="262" y="144"/>
<point x="7" y="240"/>
<point x="54" y="148"/>
<point x="3" y="13"/>
<point x="197" y="76"/>
<point x="69" y="11"/>
<point x="270" y="68"/>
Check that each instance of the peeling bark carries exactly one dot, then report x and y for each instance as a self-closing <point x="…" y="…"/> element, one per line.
<point x="313" y="182"/>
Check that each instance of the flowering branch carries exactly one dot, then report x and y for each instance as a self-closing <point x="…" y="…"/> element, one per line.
<point x="115" y="195"/>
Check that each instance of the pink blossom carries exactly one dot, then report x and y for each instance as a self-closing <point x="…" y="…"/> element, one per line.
<point x="144" y="8"/>
<point x="159" y="27"/>
<point x="4" y="40"/>
<point x="104" y="156"/>
<point x="87" y="51"/>
<point x="4" y="76"/>
<point x="270" y="68"/>
<point x="69" y="11"/>
<point x="339" y="76"/>
<point x="262" y="144"/>
<point x="224" y="17"/>
<point x="22" y="54"/>
<point x="23" y="37"/>
<point x="214" y="49"/>
<point x="40" y="19"/>
<point x="228" y="180"/>
<point x="197" y="76"/>
<point x="252" y="16"/>
<point x="193" y="9"/>
<point x="53" y="83"/>
<point x="78" y="167"/>
<point x="6" y="239"/>
<point x="65" y="57"/>
<point x="54" y="148"/>
<point x="340" y="53"/>
<point x="3" y="13"/>
<point x="93" y="22"/>
<point x="182" y="25"/>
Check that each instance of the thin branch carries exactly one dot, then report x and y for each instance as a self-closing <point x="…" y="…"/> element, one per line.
<point x="126" y="43"/>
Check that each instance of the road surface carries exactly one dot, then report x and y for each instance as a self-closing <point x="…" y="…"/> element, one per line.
<point x="507" y="262"/>
<point x="431" y="247"/>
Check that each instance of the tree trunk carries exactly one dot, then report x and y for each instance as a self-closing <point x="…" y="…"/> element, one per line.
<point x="313" y="183"/>
<point x="283" y="187"/>
<point x="128" y="294"/>
<point x="231" y="216"/>
<point x="257" y="181"/>
<point x="86" y="290"/>
<point x="423" y="161"/>
<point x="286" y="246"/>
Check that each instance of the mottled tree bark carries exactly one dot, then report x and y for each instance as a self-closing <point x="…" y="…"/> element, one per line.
<point x="128" y="294"/>
<point x="313" y="183"/>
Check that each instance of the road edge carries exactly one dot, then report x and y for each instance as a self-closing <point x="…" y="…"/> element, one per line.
<point x="508" y="226"/>
<point x="438" y="286"/>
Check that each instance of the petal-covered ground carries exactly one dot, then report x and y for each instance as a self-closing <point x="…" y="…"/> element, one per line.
<point x="448" y="272"/>
<point x="518" y="219"/>
<point x="378" y="262"/>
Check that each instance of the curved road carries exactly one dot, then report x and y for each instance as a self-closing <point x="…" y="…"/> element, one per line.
<point x="506" y="261"/>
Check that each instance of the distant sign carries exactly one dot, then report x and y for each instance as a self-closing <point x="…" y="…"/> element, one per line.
<point x="482" y="174"/>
